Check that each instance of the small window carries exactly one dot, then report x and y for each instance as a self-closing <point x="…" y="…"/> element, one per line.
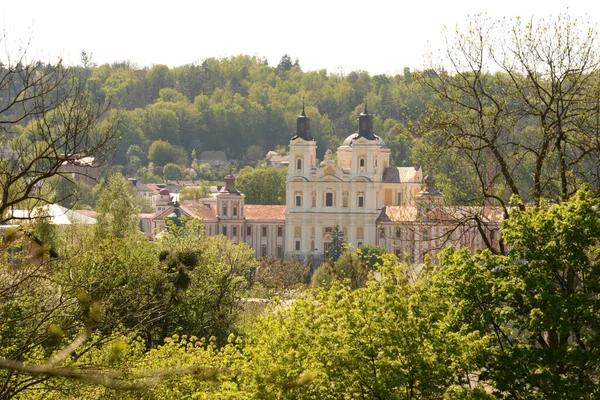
<point x="225" y="230"/>
<point x="224" y="211"/>
<point x="345" y="202"/>
<point x="361" y="162"/>
<point x="248" y="231"/>
<point x="264" y="250"/>
<point x="398" y="233"/>
<point x="381" y="233"/>
<point x="279" y="251"/>
<point x="361" y="201"/>
<point x="328" y="199"/>
<point x="298" y="201"/>
<point x="492" y="235"/>
<point x="299" y="164"/>
<point x="234" y="231"/>
<point x="297" y="245"/>
<point x="234" y="211"/>
<point x="314" y="201"/>
<point x="280" y="231"/>
<point x="328" y="229"/>
<point x="399" y="198"/>
<point x="264" y="231"/>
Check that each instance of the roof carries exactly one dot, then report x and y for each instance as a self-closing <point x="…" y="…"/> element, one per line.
<point x="198" y="209"/>
<point x="350" y="139"/>
<point x="401" y="174"/>
<point x="279" y="159"/>
<point x="81" y="161"/>
<point x="398" y="214"/>
<point x="57" y="214"/>
<point x="443" y="213"/>
<point x="139" y="186"/>
<point x="263" y="212"/>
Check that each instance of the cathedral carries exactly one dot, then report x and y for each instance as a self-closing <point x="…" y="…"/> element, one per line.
<point x="355" y="192"/>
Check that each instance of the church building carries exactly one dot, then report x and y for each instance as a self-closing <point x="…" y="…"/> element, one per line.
<point x="360" y="194"/>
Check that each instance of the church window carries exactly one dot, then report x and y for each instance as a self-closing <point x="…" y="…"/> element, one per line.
<point x="299" y="164"/>
<point x="361" y="162"/>
<point x="361" y="201"/>
<point x="298" y="201"/>
<point x="328" y="199"/>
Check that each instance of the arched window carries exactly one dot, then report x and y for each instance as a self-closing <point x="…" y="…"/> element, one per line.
<point x="299" y="164"/>
<point x="361" y="162"/>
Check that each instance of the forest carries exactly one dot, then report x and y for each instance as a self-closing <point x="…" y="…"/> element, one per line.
<point x="509" y="115"/>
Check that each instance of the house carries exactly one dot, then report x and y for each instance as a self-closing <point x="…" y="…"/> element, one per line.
<point x="279" y="161"/>
<point x="85" y="169"/>
<point x="18" y="246"/>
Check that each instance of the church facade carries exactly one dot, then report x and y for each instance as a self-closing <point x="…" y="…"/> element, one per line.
<point x="356" y="192"/>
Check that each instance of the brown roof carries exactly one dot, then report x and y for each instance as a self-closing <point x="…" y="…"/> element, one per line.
<point x="198" y="209"/>
<point x="444" y="213"/>
<point x="88" y="213"/>
<point x="255" y="211"/>
<point x="398" y="214"/>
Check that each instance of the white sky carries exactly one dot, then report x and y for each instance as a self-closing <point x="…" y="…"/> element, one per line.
<point x="373" y="35"/>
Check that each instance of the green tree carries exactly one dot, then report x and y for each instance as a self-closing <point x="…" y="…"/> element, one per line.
<point x="172" y="172"/>
<point x="263" y="186"/>
<point x="285" y="64"/>
<point x="162" y="153"/>
<point x="536" y="306"/>
<point x="117" y="208"/>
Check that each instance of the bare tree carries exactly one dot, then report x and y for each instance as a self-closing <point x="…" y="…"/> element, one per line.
<point x="47" y="118"/>
<point x="519" y="111"/>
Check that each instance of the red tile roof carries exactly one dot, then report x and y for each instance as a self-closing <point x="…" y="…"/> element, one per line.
<point x="198" y="209"/>
<point x="255" y="211"/>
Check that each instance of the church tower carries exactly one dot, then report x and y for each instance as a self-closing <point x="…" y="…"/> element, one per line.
<point x="303" y="148"/>
<point x="302" y="166"/>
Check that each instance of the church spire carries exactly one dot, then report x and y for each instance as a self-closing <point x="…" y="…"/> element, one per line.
<point x="302" y="126"/>
<point x="365" y="124"/>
